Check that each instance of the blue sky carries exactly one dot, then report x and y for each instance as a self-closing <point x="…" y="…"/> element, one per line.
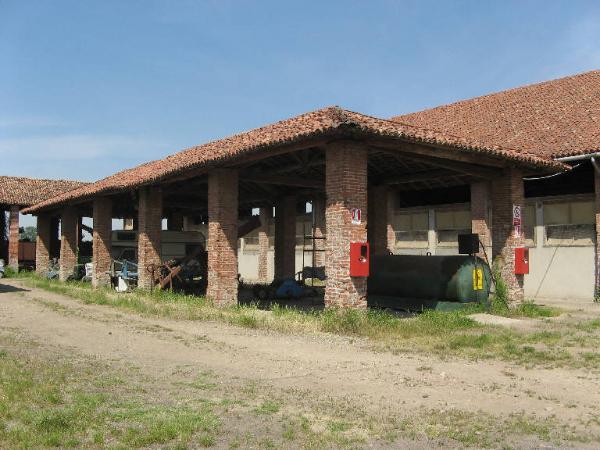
<point x="91" y="87"/>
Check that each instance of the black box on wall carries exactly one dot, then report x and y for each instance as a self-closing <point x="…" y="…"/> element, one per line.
<point x="468" y="244"/>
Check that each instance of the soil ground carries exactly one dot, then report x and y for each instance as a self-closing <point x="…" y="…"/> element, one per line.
<point x="373" y="399"/>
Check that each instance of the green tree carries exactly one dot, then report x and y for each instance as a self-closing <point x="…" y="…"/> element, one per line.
<point x="27" y="234"/>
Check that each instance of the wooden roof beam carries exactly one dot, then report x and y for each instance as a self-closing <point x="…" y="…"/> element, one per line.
<point x="416" y="177"/>
<point x="473" y="170"/>
<point x="439" y="152"/>
<point x="284" y="181"/>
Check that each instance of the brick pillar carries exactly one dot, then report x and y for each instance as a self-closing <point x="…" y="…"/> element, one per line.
<point x="13" y="237"/>
<point x="68" y="242"/>
<point x="318" y="206"/>
<point x="380" y="220"/>
<point x="480" y="201"/>
<point x="101" y="241"/>
<point x="263" y="244"/>
<point x="175" y="222"/>
<point x="149" y="230"/>
<point x="43" y="243"/>
<point x="285" y="237"/>
<point x="3" y="236"/>
<point x="54" y="237"/>
<point x="597" y="255"/>
<point x="506" y="192"/>
<point x="223" y="237"/>
<point x="346" y="187"/>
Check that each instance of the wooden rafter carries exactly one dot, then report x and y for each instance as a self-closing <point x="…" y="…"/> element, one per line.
<point x="438" y="152"/>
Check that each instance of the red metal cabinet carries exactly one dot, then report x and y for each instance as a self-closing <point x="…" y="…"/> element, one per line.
<point x="521" y="261"/>
<point x="359" y="259"/>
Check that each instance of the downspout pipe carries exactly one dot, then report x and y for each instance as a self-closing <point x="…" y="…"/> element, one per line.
<point x="593" y="157"/>
<point x="579" y="157"/>
<point x="594" y="162"/>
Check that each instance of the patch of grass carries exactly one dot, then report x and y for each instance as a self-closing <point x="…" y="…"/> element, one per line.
<point x="531" y="310"/>
<point x="500" y="306"/>
<point x="203" y="382"/>
<point x="589" y="326"/>
<point x="54" y="405"/>
<point x="480" y="429"/>
<point x="338" y="426"/>
<point x="9" y="272"/>
<point x="444" y="333"/>
<point x="160" y="425"/>
<point x="268" y="407"/>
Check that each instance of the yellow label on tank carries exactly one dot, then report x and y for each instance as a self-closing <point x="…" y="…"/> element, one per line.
<point x="477" y="279"/>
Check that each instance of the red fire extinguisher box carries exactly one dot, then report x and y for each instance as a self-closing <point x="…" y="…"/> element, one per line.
<point x="521" y="261"/>
<point x="359" y="259"/>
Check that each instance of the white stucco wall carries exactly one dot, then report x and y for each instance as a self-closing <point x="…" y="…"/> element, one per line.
<point x="561" y="272"/>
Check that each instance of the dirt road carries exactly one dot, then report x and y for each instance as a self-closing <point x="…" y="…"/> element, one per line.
<point x="303" y="369"/>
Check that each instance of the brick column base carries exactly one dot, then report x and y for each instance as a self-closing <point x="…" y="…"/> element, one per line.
<point x="13" y="238"/>
<point x="68" y="242"/>
<point x="346" y="187"/>
<point x="480" y="199"/>
<point x="149" y="231"/>
<point x="101" y="241"/>
<point x="506" y="192"/>
<point x="285" y="237"/>
<point x="263" y="244"/>
<point x="223" y="237"/>
<point x="43" y="243"/>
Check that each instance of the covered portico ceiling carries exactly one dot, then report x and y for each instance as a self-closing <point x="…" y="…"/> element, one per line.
<point x="289" y="156"/>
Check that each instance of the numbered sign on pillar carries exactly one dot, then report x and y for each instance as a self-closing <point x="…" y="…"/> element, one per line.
<point x="356" y="216"/>
<point x="517" y="219"/>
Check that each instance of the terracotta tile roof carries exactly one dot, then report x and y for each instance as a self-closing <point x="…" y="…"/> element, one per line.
<point x="551" y="119"/>
<point x="24" y="191"/>
<point x="261" y="140"/>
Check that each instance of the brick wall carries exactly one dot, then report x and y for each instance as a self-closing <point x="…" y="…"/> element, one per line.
<point x="346" y="188"/>
<point x="597" y="253"/>
<point x="13" y="237"/>
<point x="263" y="244"/>
<point x="506" y="192"/>
<point x="222" y="236"/>
<point x="101" y="241"/>
<point x="380" y="231"/>
<point x="285" y="237"/>
<point x="3" y="236"/>
<point x="149" y="231"/>
<point x="480" y="200"/>
<point x="43" y="243"/>
<point x="68" y="242"/>
<point x="320" y="231"/>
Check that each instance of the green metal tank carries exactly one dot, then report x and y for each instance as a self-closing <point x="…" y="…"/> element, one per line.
<point x="416" y="282"/>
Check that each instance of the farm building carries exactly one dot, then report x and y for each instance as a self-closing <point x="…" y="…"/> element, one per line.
<point x="407" y="185"/>
<point x="17" y="193"/>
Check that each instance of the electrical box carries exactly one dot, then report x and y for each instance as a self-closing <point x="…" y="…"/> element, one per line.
<point x="468" y="244"/>
<point x="521" y="261"/>
<point x="359" y="259"/>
